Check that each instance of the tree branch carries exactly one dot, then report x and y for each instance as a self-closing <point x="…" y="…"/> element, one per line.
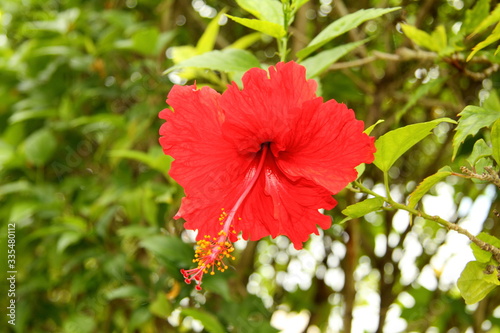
<point x="449" y="225"/>
<point x="489" y="175"/>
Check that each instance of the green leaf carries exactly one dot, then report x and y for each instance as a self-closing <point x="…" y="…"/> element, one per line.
<point x="472" y="119"/>
<point x="495" y="35"/>
<point x="439" y="38"/>
<point x="7" y="151"/>
<point x="61" y="24"/>
<point x="480" y="254"/>
<point x="269" y="28"/>
<point x="495" y="141"/>
<point x="427" y="184"/>
<point x="480" y="150"/>
<point x="40" y="146"/>
<point x="140" y="316"/>
<point x="493" y="276"/>
<point x="67" y="239"/>
<point x="161" y="307"/>
<point x="493" y="18"/>
<point x="471" y="283"/>
<point x="246" y="41"/>
<point x="127" y="291"/>
<point x="393" y="144"/>
<point x="206" y="42"/>
<point x="170" y="248"/>
<point x="208" y="320"/>
<point x="155" y="158"/>
<point x="419" y="37"/>
<point x="265" y="10"/>
<point x="364" y="207"/>
<point x="79" y="323"/>
<point x="341" y="26"/>
<point x="474" y="16"/>
<point x="31" y="114"/>
<point x="137" y="231"/>
<point x="218" y="284"/>
<point x="144" y="41"/>
<point x="370" y="129"/>
<point x="360" y="169"/>
<point x="492" y="102"/>
<point x="319" y="63"/>
<point x="228" y="60"/>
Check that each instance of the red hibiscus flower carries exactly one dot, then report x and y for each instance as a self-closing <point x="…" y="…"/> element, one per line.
<point x="260" y="161"/>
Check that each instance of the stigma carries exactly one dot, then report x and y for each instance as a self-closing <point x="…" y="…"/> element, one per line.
<point x="210" y="255"/>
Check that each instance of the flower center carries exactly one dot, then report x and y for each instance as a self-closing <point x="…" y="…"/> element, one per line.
<point x="211" y="251"/>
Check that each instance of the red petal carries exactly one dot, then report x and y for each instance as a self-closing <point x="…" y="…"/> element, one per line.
<point x="206" y="165"/>
<point x="279" y="206"/>
<point x="265" y="108"/>
<point x="326" y="145"/>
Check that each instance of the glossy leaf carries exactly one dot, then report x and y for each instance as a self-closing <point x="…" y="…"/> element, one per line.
<point x="363" y="207"/>
<point x="480" y="150"/>
<point x="370" y="129"/>
<point x="393" y="144"/>
<point x="228" y="60"/>
<point x="472" y="119"/>
<point x="319" y="63"/>
<point x="269" y="28"/>
<point x="246" y="41"/>
<point x="265" y="10"/>
<point x="419" y="37"/>
<point x="427" y="184"/>
<point x="341" y="26"/>
<point x="471" y="283"/>
<point x="207" y="40"/>
<point x="492" y="38"/>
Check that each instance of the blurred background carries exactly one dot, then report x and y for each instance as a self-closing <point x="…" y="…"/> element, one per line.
<point x="86" y="184"/>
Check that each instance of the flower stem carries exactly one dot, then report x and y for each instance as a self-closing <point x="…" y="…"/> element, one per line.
<point x="283" y="41"/>
<point x="386" y="184"/>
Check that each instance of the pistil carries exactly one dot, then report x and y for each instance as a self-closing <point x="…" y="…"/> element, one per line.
<point x="211" y="251"/>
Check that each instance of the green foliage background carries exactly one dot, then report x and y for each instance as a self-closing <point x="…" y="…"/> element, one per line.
<point x="84" y="179"/>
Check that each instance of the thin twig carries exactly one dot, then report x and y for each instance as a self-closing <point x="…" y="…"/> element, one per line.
<point x="495" y="251"/>
<point x="488" y="176"/>
<point x="406" y="54"/>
